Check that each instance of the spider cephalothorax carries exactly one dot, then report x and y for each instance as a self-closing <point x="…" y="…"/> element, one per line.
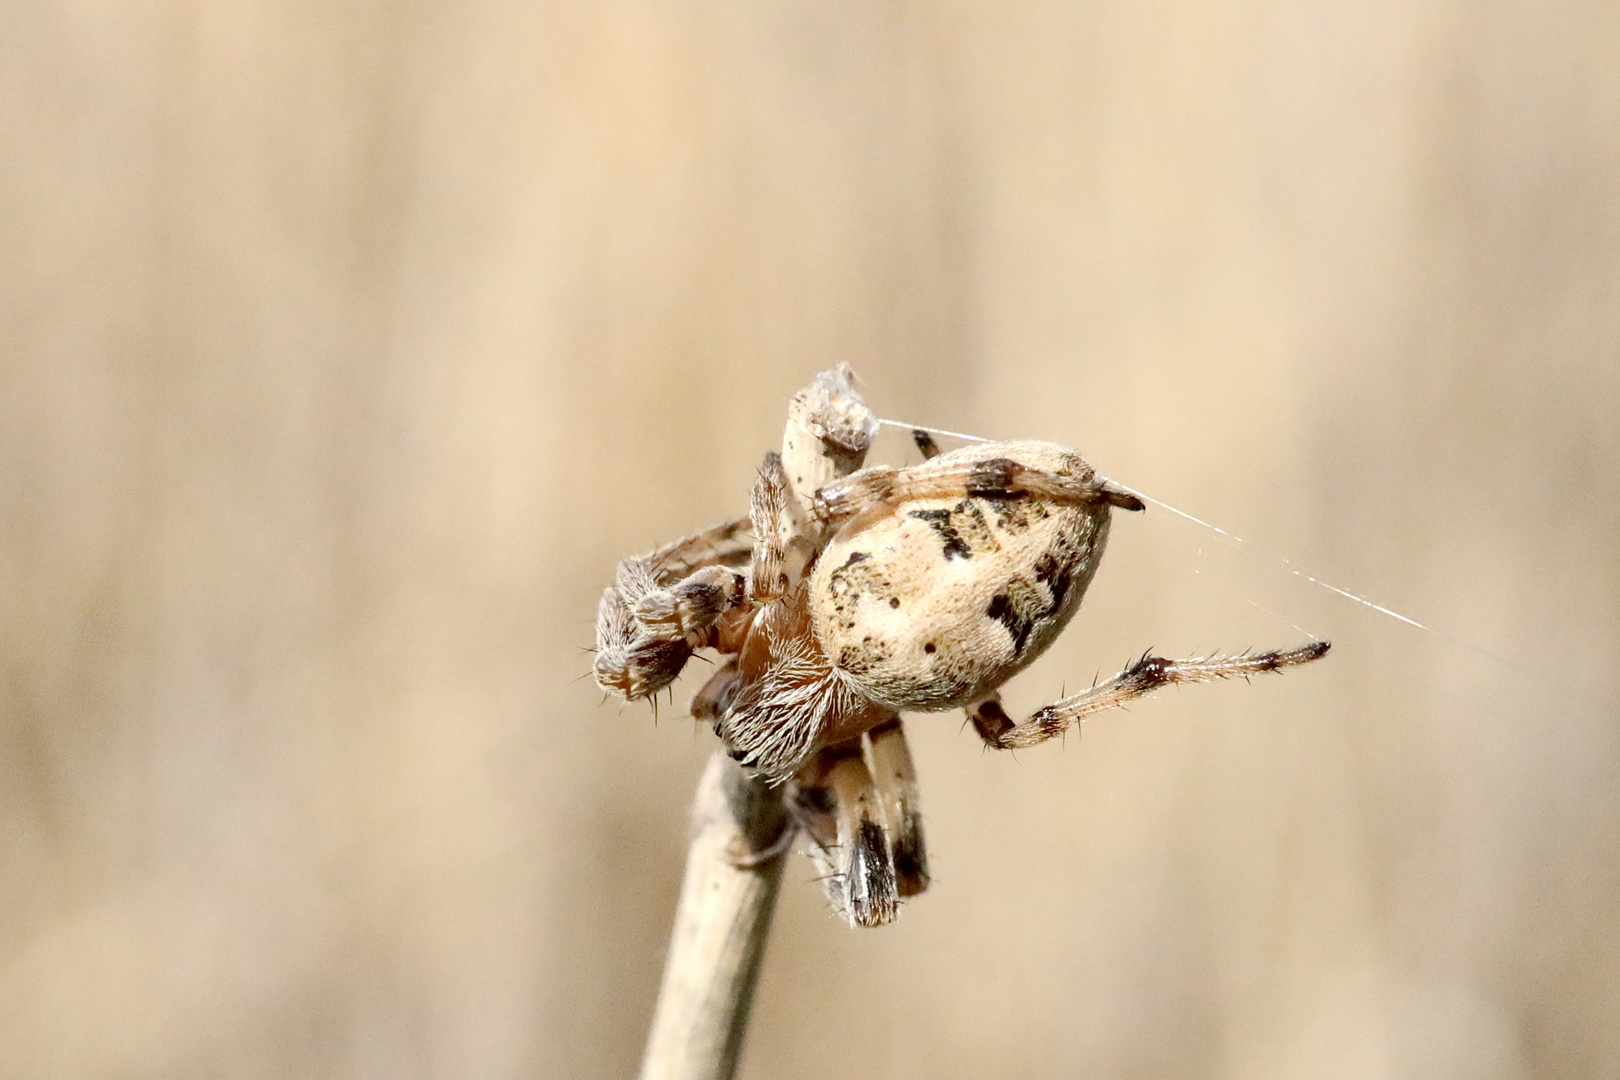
<point x="851" y="595"/>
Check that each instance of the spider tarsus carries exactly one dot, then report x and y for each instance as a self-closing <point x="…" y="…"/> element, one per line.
<point x="1122" y="500"/>
<point x="1314" y="651"/>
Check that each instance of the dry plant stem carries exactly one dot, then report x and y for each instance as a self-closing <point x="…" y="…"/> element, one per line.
<point x="721" y="924"/>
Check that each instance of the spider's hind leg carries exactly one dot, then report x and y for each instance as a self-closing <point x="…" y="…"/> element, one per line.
<point x="836" y="801"/>
<point x="1146" y="675"/>
<point x="896" y="781"/>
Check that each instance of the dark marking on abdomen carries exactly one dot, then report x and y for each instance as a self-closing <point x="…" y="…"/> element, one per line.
<point x="941" y="522"/>
<point x="1002" y="610"/>
<point x="862" y="658"/>
<point x="969" y="521"/>
<point x="1054" y="574"/>
<point x="1012" y="515"/>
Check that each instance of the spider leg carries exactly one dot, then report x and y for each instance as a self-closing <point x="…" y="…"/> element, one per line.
<point x="726" y="544"/>
<point x="875" y="491"/>
<point x="838" y="805"/>
<point x="646" y="631"/>
<point x="691" y="607"/>
<point x="630" y="663"/>
<point x="667" y="603"/>
<point x="777" y="533"/>
<point x="896" y="780"/>
<point x="1144" y="676"/>
<point x="870" y="890"/>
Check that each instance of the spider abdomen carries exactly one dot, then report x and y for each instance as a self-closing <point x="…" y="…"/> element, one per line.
<point x="940" y="602"/>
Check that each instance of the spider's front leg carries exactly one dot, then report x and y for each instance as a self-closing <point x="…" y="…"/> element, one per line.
<point x="666" y="604"/>
<point x="1146" y="675"/>
<point x="858" y="498"/>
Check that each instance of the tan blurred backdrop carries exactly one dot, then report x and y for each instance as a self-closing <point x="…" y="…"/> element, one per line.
<point x="346" y="346"/>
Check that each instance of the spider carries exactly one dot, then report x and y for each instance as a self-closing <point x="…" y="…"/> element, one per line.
<point x="848" y="596"/>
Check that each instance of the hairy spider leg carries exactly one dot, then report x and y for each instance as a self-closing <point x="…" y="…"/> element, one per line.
<point x="777" y="531"/>
<point x="1144" y="676"/>
<point x="865" y="496"/>
<point x="666" y="604"/>
<point x="839" y="806"/>
<point x="889" y="759"/>
<point x="728" y="543"/>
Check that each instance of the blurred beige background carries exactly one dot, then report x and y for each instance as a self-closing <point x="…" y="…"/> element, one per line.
<point x="346" y="347"/>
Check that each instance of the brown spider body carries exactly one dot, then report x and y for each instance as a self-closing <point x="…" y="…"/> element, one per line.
<point x="864" y="593"/>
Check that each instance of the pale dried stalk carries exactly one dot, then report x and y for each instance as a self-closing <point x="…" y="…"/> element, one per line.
<point x="721" y="925"/>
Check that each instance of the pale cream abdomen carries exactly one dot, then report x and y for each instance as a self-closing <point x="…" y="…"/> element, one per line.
<point x="944" y="600"/>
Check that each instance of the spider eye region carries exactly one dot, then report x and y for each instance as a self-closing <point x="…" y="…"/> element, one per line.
<point x="944" y="598"/>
